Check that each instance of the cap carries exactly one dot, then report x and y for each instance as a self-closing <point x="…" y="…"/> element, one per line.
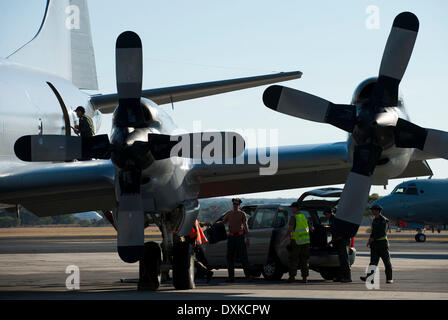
<point x="376" y="206"/>
<point x="295" y="204"/>
<point x="237" y="200"/>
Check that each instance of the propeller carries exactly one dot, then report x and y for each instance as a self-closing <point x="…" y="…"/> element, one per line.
<point x="131" y="150"/>
<point x="372" y="122"/>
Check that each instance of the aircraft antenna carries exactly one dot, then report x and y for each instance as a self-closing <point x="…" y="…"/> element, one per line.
<point x="172" y="103"/>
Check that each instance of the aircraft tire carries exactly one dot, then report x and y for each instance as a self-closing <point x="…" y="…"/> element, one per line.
<point x="183" y="266"/>
<point x="255" y="271"/>
<point x="149" y="267"/>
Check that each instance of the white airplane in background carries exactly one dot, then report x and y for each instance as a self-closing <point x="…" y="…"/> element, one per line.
<point x="41" y="82"/>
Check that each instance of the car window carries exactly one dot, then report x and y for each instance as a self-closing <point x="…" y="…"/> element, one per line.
<point x="281" y="219"/>
<point x="323" y="220"/>
<point x="264" y="218"/>
<point x="249" y="210"/>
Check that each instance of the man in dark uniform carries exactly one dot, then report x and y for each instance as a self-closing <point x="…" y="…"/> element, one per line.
<point x="379" y="246"/>
<point x="85" y="127"/>
<point x="342" y="246"/>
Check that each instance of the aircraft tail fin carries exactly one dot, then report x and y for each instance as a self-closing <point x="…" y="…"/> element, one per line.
<point x="63" y="44"/>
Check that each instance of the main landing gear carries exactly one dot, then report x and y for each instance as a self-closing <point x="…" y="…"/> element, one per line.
<point x="174" y="253"/>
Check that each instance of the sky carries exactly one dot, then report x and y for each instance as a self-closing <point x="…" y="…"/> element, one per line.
<point x="336" y="44"/>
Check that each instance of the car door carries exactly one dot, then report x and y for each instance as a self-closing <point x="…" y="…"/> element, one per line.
<point x="280" y="228"/>
<point x="260" y="234"/>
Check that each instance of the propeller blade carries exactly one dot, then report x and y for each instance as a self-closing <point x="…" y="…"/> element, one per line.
<point x="409" y="135"/>
<point x="201" y="145"/>
<point x="396" y="56"/>
<point x="130" y="219"/>
<point x="130" y="228"/>
<point x="38" y="148"/>
<point x="355" y="194"/>
<point x="307" y="106"/>
<point x="129" y="73"/>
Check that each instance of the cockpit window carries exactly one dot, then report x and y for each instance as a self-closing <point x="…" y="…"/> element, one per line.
<point x="400" y="190"/>
<point x="412" y="191"/>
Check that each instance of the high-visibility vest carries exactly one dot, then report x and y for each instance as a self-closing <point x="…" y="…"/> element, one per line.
<point x="197" y="234"/>
<point x="301" y="234"/>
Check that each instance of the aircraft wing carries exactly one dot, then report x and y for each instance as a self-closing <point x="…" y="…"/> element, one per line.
<point x="59" y="188"/>
<point x="107" y="103"/>
<point x="298" y="167"/>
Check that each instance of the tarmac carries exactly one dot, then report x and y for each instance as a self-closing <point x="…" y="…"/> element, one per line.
<point x="35" y="268"/>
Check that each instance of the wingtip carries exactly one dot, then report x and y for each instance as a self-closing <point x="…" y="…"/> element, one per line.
<point x="271" y="96"/>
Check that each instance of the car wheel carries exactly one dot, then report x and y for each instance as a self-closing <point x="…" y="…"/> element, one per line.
<point x="420" y="237"/>
<point x="273" y="270"/>
<point x="329" y="273"/>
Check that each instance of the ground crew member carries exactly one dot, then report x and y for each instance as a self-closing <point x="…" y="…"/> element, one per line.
<point x="237" y="240"/>
<point x="299" y="247"/>
<point x="85" y="127"/>
<point x="378" y="243"/>
<point x="198" y="238"/>
<point x="342" y="246"/>
<point x="329" y="216"/>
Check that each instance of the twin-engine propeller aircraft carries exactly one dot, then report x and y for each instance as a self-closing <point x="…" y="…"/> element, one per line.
<point x="140" y="173"/>
<point x="380" y="134"/>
